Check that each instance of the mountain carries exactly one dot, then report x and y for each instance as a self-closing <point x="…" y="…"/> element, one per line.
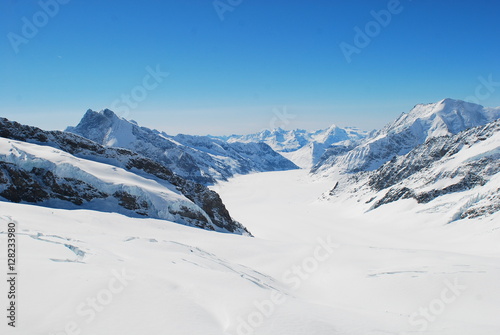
<point x="198" y="158"/>
<point x="240" y="158"/>
<point x="302" y="147"/>
<point x="64" y="170"/>
<point x="423" y="122"/>
<point x="386" y="247"/>
<point x="458" y="175"/>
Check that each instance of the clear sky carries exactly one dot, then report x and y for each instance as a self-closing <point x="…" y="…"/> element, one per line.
<point x="241" y="66"/>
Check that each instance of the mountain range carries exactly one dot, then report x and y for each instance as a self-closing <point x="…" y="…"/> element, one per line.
<point x="444" y="155"/>
<point x="302" y="147"/>
<point x="201" y="159"/>
<point x="425" y="121"/>
<point x="63" y="170"/>
<point x="434" y="150"/>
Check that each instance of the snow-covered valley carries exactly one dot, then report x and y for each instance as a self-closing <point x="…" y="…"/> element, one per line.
<point x="313" y="267"/>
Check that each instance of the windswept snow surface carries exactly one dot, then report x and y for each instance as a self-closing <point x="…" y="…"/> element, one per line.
<point x="314" y="267"/>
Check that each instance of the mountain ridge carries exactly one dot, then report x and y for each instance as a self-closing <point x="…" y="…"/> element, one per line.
<point x="444" y="118"/>
<point x="302" y="147"/>
<point x="27" y="176"/>
<point x="198" y="158"/>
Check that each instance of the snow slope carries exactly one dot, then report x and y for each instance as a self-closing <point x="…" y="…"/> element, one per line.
<point x="114" y="189"/>
<point x="310" y="154"/>
<point x="331" y="268"/>
<point x="423" y="122"/>
<point x="457" y="176"/>
<point x="51" y="168"/>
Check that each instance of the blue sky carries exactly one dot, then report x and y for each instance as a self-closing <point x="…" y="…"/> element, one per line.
<point x="242" y="73"/>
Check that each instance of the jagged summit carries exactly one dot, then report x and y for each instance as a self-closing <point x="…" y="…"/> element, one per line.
<point x="278" y="130"/>
<point x="104" y="115"/>
<point x="106" y="128"/>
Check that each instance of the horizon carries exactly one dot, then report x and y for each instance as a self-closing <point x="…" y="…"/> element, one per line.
<point x="284" y="127"/>
<point x="271" y="129"/>
<point x="220" y="69"/>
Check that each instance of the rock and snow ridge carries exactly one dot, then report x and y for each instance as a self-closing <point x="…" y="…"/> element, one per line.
<point x="425" y="121"/>
<point x="458" y="175"/>
<point x="64" y="170"/>
<point x="302" y="147"/>
<point x="198" y="158"/>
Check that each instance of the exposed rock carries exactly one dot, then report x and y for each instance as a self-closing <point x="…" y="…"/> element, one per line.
<point x="38" y="185"/>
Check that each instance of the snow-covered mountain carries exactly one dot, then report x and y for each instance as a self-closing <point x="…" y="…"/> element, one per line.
<point x="64" y="170"/>
<point x="378" y="257"/>
<point x="457" y="175"/>
<point x="423" y="122"/>
<point x="199" y="158"/>
<point x="302" y="147"/>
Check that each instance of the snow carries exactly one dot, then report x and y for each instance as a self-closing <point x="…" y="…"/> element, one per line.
<point x="456" y="176"/>
<point x="162" y="196"/>
<point x="304" y="148"/>
<point x="199" y="158"/>
<point x="377" y="270"/>
<point x="302" y="157"/>
<point x="487" y="148"/>
<point x="423" y="122"/>
<point x="321" y="262"/>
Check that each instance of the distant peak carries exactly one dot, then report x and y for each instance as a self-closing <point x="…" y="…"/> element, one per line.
<point x="93" y="118"/>
<point x="447" y="101"/>
<point x="108" y="113"/>
<point x="454" y="102"/>
<point x="442" y="105"/>
<point x="105" y="112"/>
<point x="278" y="130"/>
<point x="451" y="102"/>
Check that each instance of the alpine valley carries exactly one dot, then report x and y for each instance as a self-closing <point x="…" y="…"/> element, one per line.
<point x="122" y="229"/>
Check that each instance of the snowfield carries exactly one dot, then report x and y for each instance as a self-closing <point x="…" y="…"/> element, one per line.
<point x="314" y="267"/>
